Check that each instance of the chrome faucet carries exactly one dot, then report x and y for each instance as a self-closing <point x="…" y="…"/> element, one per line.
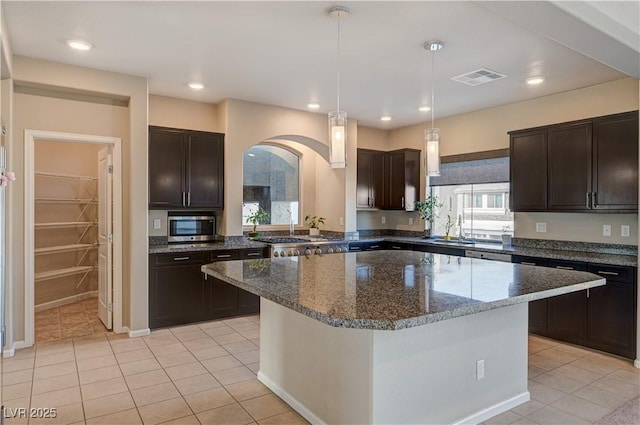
<point x="461" y="236"/>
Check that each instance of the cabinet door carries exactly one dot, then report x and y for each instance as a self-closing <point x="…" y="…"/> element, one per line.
<point x="363" y="184"/>
<point x="528" y="170"/>
<point x="615" y="162"/>
<point x="394" y="181"/>
<point x="205" y="177"/>
<point x="166" y="168"/>
<point x="538" y="308"/>
<point x="567" y="314"/>
<point x="376" y="180"/>
<point x="247" y="302"/>
<point x="411" y="179"/>
<point x="223" y="299"/>
<point x="176" y="295"/>
<point x="612" y="311"/>
<point x="569" y="167"/>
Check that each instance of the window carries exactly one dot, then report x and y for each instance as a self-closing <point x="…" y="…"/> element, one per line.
<point x="486" y="218"/>
<point x="271" y="180"/>
<point x="475" y="198"/>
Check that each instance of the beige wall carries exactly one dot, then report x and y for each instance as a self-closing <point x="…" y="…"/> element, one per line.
<point x="335" y="188"/>
<point x="487" y="129"/>
<point x="373" y="138"/>
<point x="180" y="113"/>
<point x="41" y="113"/>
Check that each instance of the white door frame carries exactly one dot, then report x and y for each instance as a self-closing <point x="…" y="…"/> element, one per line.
<point x="30" y="136"/>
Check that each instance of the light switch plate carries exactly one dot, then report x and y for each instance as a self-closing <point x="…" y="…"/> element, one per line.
<point x="624" y="230"/>
<point x="606" y="230"/>
<point x="541" y="227"/>
<point x="383" y="220"/>
<point x="410" y="221"/>
<point x="341" y="221"/>
<point x="156" y="223"/>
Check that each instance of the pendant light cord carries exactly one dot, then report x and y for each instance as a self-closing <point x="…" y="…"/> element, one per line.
<point x="338" y="95"/>
<point x="433" y="77"/>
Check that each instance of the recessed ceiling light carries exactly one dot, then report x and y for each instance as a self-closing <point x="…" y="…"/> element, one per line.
<point x="196" y="86"/>
<point x="79" y="45"/>
<point x="424" y="109"/>
<point x="313" y="105"/>
<point x="251" y="154"/>
<point x="534" y="80"/>
<point x="385" y="118"/>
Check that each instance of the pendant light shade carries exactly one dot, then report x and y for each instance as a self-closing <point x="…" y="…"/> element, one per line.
<point x="338" y="134"/>
<point x="338" y="118"/>
<point x="432" y="150"/>
<point x="432" y="135"/>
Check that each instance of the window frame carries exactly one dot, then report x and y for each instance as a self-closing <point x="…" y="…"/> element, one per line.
<point x="275" y="227"/>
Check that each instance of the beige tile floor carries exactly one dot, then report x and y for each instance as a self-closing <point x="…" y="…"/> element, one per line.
<point x="205" y="374"/>
<point x="69" y="321"/>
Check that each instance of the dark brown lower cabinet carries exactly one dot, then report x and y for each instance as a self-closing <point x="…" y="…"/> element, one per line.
<point x="603" y="318"/>
<point x="176" y="289"/>
<point x="179" y="292"/>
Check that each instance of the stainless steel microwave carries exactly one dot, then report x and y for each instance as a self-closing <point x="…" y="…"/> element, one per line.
<point x="195" y="227"/>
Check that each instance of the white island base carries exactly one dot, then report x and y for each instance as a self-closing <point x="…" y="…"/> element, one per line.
<point x="421" y="375"/>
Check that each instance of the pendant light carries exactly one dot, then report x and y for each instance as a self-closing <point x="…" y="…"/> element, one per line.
<point x="338" y="118"/>
<point x="432" y="135"/>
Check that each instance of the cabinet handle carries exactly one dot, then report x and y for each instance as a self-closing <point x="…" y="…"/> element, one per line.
<point x="528" y="264"/>
<point x="588" y="198"/>
<point x="588" y="294"/>
<point x="354" y="248"/>
<point x="188" y="199"/>
<point x="374" y="246"/>
<point x="223" y="256"/>
<point x="373" y="202"/>
<point x="184" y="203"/>
<point x="253" y="254"/>
<point x="608" y="273"/>
<point x="594" y="199"/>
<point x="403" y="202"/>
<point x="395" y="247"/>
<point x="564" y="268"/>
<point x="180" y="258"/>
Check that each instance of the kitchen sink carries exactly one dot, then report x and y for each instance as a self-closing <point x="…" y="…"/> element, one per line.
<point x="453" y="241"/>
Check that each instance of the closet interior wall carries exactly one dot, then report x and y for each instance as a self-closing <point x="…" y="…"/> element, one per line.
<point x="66" y="216"/>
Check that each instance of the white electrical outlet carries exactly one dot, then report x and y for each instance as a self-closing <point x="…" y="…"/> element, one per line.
<point x="383" y="219"/>
<point x="156" y="223"/>
<point x="606" y="230"/>
<point x="624" y="230"/>
<point x="341" y="221"/>
<point x="410" y="221"/>
<point x="541" y="227"/>
<point x="479" y="370"/>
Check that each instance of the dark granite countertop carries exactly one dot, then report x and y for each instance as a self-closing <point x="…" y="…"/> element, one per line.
<point x="559" y="254"/>
<point x="390" y="290"/>
<point x="233" y="244"/>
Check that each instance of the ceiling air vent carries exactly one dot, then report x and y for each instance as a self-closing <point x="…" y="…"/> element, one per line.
<point x="479" y="76"/>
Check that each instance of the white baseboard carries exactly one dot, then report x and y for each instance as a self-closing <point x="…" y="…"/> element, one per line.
<point x="496" y="409"/>
<point x="475" y="418"/>
<point x="15" y="346"/>
<point x="636" y="363"/>
<point x="290" y="400"/>
<point x="139" y="332"/>
<point x="65" y="301"/>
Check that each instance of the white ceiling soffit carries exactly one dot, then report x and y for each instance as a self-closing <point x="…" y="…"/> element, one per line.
<point x="574" y="23"/>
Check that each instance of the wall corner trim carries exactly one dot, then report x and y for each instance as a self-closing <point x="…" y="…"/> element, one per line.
<point x="138" y="332"/>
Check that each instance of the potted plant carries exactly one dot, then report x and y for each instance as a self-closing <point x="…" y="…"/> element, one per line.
<point x="428" y="211"/>
<point x="259" y="216"/>
<point x="313" y="223"/>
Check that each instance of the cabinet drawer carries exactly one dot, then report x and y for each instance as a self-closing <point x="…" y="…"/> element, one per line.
<point x="528" y="261"/>
<point x="179" y="258"/>
<point x="614" y="273"/>
<point x="225" y="255"/>
<point x="252" y="253"/>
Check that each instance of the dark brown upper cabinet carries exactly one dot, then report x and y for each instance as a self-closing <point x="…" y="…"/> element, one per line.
<point x="370" y="179"/>
<point x="528" y="170"/>
<point x="388" y="180"/>
<point x="186" y="169"/>
<point x="402" y="179"/>
<point x="581" y="166"/>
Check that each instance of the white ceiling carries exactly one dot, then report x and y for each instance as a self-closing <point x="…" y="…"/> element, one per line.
<point x="285" y="53"/>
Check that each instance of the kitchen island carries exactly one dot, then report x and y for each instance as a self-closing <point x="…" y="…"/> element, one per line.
<point x="396" y="336"/>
